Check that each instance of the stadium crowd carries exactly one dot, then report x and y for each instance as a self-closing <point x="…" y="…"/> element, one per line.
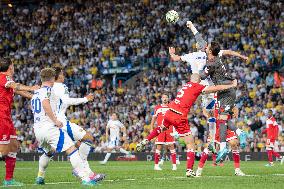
<point x="91" y="37"/>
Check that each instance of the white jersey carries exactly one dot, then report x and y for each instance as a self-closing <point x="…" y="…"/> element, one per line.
<point x="196" y="60"/>
<point x="62" y="100"/>
<point x="37" y="108"/>
<point x="114" y="129"/>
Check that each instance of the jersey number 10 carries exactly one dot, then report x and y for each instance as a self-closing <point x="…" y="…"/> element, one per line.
<point x="36" y="104"/>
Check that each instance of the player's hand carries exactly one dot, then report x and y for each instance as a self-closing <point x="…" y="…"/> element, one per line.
<point x="189" y="24"/>
<point x="235" y="83"/>
<point x="90" y="97"/>
<point x="59" y="124"/>
<point x="123" y="138"/>
<point x="172" y="50"/>
<point x="35" y="87"/>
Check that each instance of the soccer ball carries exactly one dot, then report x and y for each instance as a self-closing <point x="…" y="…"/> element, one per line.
<point x="172" y="16"/>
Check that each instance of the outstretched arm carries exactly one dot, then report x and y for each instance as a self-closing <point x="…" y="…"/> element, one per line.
<point x="198" y="37"/>
<point x="21" y="87"/>
<point x="213" y="89"/>
<point x="234" y="53"/>
<point x="25" y="94"/>
<point x="76" y="101"/>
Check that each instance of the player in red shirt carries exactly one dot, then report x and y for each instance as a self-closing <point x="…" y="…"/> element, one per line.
<point x="8" y="138"/>
<point x="272" y="131"/>
<point x="178" y="112"/>
<point x="164" y="138"/>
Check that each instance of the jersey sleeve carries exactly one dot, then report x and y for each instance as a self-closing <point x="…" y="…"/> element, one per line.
<point x="63" y="92"/>
<point x="5" y="80"/>
<point x="220" y="54"/>
<point x="187" y="57"/>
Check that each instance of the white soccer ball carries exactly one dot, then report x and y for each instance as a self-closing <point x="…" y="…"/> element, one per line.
<point x="172" y="16"/>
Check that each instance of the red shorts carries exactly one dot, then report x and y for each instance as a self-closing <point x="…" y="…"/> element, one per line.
<point x="231" y="135"/>
<point x="166" y="137"/>
<point x="179" y="122"/>
<point x="7" y="131"/>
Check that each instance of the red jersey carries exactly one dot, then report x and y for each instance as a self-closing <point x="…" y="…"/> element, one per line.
<point x="272" y="129"/>
<point x="6" y="96"/>
<point x="159" y="112"/>
<point x="186" y="97"/>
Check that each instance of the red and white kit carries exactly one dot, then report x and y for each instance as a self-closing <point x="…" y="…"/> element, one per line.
<point x="7" y="130"/>
<point x="166" y="136"/>
<point x="272" y="132"/>
<point x="180" y="106"/>
<point x="231" y="135"/>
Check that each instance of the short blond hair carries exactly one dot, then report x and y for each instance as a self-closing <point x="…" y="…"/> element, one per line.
<point x="47" y="74"/>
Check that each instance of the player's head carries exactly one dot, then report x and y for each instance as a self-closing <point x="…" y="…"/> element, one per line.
<point x="6" y="65"/>
<point x="47" y="76"/>
<point x="195" y="78"/>
<point x="270" y="113"/>
<point x="165" y="99"/>
<point x="59" y="74"/>
<point x="114" y="116"/>
<point x="213" y="48"/>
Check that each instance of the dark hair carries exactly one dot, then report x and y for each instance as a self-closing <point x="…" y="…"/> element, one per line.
<point x="47" y="74"/>
<point x="215" y="48"/>
<point x="58" y="70"/>
<point x="5" y="64"/>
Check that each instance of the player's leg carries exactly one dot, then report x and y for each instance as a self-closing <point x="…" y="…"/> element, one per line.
<point x="190" y="155"/>
<point x="223" y="144"/>
<point x="157" y="157"/>
<point x="108" y="154"/>
<point x="42" y="166"/>
<point x="202" y="161"/>
<point x="173" y="155"/>
<point x="269" y="150"/>
<point x="236" y="154"/>
<point x="167" y="122"/>
<point x="10" y="158"/>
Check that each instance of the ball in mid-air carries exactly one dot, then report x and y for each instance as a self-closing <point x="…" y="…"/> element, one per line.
<point x="172" y="16"/>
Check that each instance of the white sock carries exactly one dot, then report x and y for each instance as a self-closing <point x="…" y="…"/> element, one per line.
<point x="84" y="150"/>
<point x="239" y="131"/>
<point x="212" y="129"/>
<point x="107" y="157"/>
<point x="222" y="145"/>
<point x="42" y="165"/>
<point x="78" y="165"/>
<point x="123" y="151"/>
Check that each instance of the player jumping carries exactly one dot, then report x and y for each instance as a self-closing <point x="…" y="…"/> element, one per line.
<point x="164" y="138"/>
<point x="113" y="128"/>
<point x="9" y="145"/>
<point x="62" y="101"/>
<point x="226" y="99"/>
<point x="177" y="116"/>
<point x="272" y="131"/>
<point x="48" y="129"/>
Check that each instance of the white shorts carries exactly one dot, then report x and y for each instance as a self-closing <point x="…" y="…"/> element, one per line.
<point x="208" y="103"/>
<point x="51" y="138"/>
<point x="113" y="143"/>
<point x="74" y="131"/>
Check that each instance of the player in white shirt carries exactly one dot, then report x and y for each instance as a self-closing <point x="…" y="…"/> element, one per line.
<point x="49" y="133"/>
<point x="60" y="102"/>
<point x="113" y="129"/>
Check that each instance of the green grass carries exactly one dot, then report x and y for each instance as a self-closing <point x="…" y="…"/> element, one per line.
<point x="134" y="175"/>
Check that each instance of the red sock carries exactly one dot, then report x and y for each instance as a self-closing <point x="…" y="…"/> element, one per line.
<point x="174" y="156"/>
<point x="157" y="156"/>
<point x="154" y="133"/>
<point x="270" y="154"/>
<point x="275" y="154"/>
<point x="203" y="160"/>
<point x="10" y="163"/>
<point x="214" y="158"/>
<point x="236" y="158"/>
<point x="190" y="159"/>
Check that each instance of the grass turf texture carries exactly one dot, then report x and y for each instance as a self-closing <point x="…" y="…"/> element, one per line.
<point x="134" y="175"/>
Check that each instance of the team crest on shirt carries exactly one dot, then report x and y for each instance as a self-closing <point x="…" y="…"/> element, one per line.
<point x="66" y="90"/>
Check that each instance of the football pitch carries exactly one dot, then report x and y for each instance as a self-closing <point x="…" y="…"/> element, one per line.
<point x="140" y="175"/>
